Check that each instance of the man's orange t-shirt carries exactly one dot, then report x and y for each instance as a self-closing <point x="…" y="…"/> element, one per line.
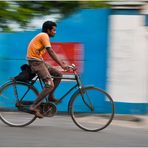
<point x="37" y="46"/>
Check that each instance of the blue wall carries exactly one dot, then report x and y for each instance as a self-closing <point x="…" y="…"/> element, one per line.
<point x="90" y="27"/>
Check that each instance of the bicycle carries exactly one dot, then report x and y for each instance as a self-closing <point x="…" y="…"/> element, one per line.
<point x="91" y="108"/>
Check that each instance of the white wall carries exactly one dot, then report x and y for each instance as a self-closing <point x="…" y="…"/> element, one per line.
<point x="128" y="59"/>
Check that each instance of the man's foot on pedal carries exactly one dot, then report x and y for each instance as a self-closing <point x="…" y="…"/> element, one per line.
<point x="39" y="115"/>
<point x="36" y="112"/>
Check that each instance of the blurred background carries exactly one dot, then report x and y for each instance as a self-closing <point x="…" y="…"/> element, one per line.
<point x="107" y="40"/>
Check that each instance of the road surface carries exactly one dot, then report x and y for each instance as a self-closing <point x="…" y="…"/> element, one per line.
<point x="60" y="131"/>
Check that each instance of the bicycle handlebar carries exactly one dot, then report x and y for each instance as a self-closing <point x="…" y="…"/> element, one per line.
<point x="73" y="67"/>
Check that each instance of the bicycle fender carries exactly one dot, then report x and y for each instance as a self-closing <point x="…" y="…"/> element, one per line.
<point x="11" y="81"/>
<point x="5" y="84"/>
<point x="75" y="93"/>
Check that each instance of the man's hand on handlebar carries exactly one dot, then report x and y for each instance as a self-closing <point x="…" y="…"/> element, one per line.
<point x="68" y="67"/>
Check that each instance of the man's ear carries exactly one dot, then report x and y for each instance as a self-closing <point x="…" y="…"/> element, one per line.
<point x="48" y="31"/>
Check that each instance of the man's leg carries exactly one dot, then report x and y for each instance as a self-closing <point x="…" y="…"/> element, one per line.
<point x="41" y="69"/>
<point x="35" y="106"/>
<point x="54" y="72"/>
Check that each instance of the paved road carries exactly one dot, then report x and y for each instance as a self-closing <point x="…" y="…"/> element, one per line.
<point x="60" y="131"/>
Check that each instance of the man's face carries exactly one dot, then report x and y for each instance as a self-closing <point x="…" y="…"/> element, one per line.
<point x="52" y="32"/>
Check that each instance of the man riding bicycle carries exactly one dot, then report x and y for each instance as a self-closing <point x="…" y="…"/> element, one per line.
<point x="36" y="48"/>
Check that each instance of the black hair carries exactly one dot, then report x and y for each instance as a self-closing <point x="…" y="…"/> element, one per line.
<point x="48" y="25"/>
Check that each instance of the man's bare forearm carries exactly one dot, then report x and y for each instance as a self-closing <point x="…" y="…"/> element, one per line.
<point x="54" y="56"/>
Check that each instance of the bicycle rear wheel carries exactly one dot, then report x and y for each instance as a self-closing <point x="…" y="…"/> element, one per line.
<point x="92" y="112"/>
<point x="10" y="94"/>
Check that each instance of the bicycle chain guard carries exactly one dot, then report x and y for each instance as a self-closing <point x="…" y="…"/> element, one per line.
<point x="48" y="109"/>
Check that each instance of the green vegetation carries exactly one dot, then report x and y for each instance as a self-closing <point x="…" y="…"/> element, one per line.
<point x="21" y="12"/>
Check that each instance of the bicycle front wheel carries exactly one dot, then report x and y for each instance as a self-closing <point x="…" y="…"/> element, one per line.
<point x="91" y="109"/>
<point x="10" y="94"/>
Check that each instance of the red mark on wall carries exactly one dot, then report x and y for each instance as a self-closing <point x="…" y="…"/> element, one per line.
<point x="69" y="52"/>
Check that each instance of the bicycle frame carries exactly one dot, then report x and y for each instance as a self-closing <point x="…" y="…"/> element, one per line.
<point x="77" y="85"/>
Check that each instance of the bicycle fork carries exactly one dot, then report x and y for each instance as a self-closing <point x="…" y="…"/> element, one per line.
<point x="82" y="92"/>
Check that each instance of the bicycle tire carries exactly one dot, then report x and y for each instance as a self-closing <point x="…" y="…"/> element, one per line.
<point x="94" y="112"/>
<point x="9" y="113"/>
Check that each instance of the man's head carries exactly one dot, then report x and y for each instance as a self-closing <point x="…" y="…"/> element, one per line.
<point x="49" y="27"/>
